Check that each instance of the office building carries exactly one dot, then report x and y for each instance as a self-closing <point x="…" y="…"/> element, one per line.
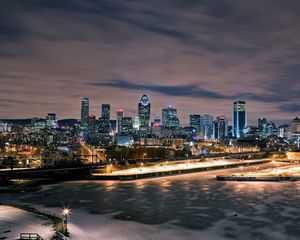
<point x="195" y="121"/>
<point x="85" y="114"/>
<point x="169" y="117"/>
<point x="104" y="121"/>
<point x="126" y="126"/>
<point x="144" y="108"/>
<point x="239" y="118"/>
<point x="220" y="128"/>
<point x="105" y="111"/>
<point x="206" y="126"/>
<point x="120" y="114"/>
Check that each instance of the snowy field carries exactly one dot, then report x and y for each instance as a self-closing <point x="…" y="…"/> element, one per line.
<point x="14" y="221"/>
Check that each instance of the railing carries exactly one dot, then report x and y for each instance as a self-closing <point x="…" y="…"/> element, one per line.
<point x="30" y="236"/>
<point x="60" y="236"/>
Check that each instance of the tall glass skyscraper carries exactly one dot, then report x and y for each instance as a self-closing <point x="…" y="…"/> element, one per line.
<point x="195" y="121"/>
<point x="106" y="111"/>
<point x="85" y="114"/>
<point x="220" y="131"/>
<point x="239" y="118"/>
<point x="206" y="126"/>
<point x="104" y="121"/>
<point x="120" y="114"/>
<point x="169" y="117"/>
<point x="144" y="108"/>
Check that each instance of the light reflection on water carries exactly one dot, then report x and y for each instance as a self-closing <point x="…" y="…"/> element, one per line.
<point x="196" y="202"/>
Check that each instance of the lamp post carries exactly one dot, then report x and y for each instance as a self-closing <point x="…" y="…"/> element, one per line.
<point x="66" y="212"/>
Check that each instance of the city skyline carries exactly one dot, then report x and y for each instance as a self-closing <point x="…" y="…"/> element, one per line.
<point x="184" y="120"/>
<point x="196" y="56"/>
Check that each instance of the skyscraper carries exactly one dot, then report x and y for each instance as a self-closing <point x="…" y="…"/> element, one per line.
<point x="126" y="126"/>
<point x="120" y="114"/>
<point x="295" y="131"/>
<point x="262" y="126"/>
<point x="195" y="121"/>
<point x="169" y="117"/>
<point x="206" y="126"/>
<point x="85" y="114"/>
<point x="136" y="123"/>
<point x="220" y="128"/>
<point x="104" y="121"/>
<point x="156" y="126"/>
<point x="239" y="118"/>
<point x="144" y="108"/>
<point x="106" y="111"/>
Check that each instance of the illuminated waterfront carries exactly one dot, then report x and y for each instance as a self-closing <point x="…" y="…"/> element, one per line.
<point x="193" y="206"/>
<point x="176" y="167"/>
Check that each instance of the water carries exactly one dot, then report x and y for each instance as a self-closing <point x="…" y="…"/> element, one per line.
<point x="192" y="206"/>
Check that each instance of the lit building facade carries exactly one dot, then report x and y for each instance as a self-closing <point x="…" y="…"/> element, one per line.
<point x="239" y="118"/>
<point x="105" y="111"/>
<point x="169" y="117"/>
<point x="120" y="114"/>
<point x="85" y="114"/>
<point x="206" y="126"/>
<point x="295" y="131"/>
<point x="104" y="121"/>
<point x="51" y="120"/>
<point x="195" y="121"/>
<point x="144" y="109"/>
<point x="126" y="126"/>
<point x="220" y="131"/>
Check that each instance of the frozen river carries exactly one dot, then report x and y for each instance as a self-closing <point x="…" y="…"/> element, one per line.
<point x="193" y="206"/>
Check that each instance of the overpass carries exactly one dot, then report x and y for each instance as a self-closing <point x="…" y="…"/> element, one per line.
<point x="54" y="173"/>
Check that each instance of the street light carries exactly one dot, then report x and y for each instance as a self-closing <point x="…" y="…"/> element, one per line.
<point x="66" y="212"/>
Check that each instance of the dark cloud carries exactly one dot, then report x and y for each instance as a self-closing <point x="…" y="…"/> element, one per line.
<point x="293" y="108"/>
<point x="211" y="51"/>
<point x="188" y="90"/>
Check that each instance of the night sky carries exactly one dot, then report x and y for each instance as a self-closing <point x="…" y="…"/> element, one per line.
<point x="197" y="55"/>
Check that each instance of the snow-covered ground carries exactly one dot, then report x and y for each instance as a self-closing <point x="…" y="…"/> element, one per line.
<point x="14" y="221"/>
<point x="192" y="206"/>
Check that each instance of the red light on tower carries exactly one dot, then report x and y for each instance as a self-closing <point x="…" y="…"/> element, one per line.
<point x="156" y="124"/>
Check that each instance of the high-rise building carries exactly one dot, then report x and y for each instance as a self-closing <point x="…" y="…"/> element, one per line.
<point x="126" y="126"/>
<point x="136" y="123"/>
<point x="266" y="129"/>
<point x="120" y="114"/>
<point x="85" y="114"/>
<point x="239" y="118"/>
<point x="261" y="122"/>
<point x="105" y="113"/>
<point x="104" y="121"/>
<point x="220" y="128"/>
<point x="104" y="126"/>
<point x="195" y="121"/>
<point x="156" y="126"/>
<point x="295" y="131"/>
<point x="206" y="126"/>
<point x="144" y="108"/>
<point x="169" y="117"/>
<point x="92" y="124"/>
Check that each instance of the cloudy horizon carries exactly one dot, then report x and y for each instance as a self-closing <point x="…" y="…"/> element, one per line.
<point x="198" y="56"/>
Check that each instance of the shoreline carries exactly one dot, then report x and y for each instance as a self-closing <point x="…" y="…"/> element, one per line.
<point x="57" y="223"/>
